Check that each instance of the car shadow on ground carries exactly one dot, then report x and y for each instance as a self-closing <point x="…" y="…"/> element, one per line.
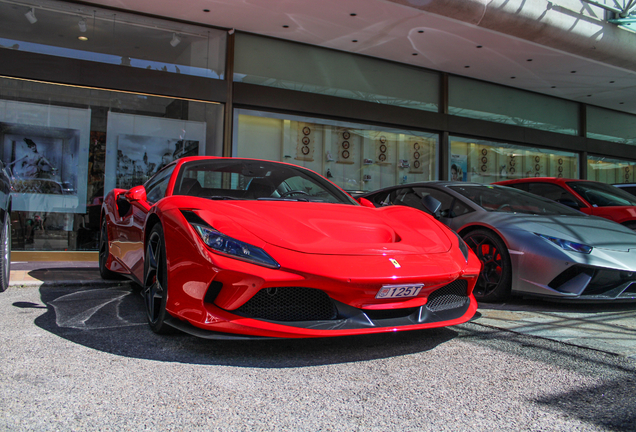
<point x="113" y="320"/>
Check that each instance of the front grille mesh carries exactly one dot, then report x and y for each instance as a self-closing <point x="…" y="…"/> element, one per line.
<point x="451" y="296"/>
<point x="289" y="304"/>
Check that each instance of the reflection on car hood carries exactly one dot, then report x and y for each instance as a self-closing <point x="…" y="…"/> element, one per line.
<point x="336" y="229"/>
<point x="592" y="231"/>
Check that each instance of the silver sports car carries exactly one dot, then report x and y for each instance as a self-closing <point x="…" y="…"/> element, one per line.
<point x="528" y="245"/>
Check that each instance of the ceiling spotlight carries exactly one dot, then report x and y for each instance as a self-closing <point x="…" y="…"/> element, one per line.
<point x="82" y="25"/>
<point x="175" y="40"/>
<point x="30" y="16"/>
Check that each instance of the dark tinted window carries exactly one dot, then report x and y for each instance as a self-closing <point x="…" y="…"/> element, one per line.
<point x="602" y="195"/>
<point x="157" y="185"/>
<point x="553" y="192"/>
<point x="505" y="199"/>
<point x="234" y="178"/>
<point x="451" y="207"/>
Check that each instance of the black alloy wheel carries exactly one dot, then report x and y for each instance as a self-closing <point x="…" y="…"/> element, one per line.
<point x="5" y="254"/>
<point x="495" y="278"/>
<point x="155" y="288"/>
<point x="103" y="255"/>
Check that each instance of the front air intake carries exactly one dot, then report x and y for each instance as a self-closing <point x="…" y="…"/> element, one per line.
<point x="289" y="304"/>
<point x="450" y="296"/>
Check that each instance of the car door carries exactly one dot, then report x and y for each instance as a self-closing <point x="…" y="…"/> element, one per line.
<point x="130" y="224"/>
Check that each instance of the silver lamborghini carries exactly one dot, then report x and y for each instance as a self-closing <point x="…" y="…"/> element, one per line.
<point x="529" y="245"/>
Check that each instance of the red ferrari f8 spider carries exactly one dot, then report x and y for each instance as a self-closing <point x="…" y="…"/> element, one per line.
<point x="228" y="248"/>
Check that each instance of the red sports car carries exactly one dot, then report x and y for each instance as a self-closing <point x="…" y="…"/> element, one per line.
<point x="590" y="197"/>
<point x="236" y="248"/>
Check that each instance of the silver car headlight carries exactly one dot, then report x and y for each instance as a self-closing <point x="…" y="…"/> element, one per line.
<point x="233" y="248"/>
<point x="567" y="244"/>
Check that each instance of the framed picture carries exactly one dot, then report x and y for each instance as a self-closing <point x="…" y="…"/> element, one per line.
<point x="45" y="149"/>
<point x="140" y="157"/>
<point x="138" y="146"/>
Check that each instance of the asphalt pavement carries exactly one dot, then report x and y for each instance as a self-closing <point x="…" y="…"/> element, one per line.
<point x="80" y="357"/>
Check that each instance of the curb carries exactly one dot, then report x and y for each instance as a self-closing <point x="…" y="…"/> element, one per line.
<point x="68" y="283"/>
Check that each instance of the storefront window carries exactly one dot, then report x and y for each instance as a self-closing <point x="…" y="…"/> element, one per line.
<point x="612" y="171"/>
<point x="500" y="104"/>
<point x="487" y="162"/>
<point x="88" y="33"/>
<point x="356" y="157"/>
<point x="608" y="125"/>
<point x="289" y="65"/>
<point x="66" y="147"/>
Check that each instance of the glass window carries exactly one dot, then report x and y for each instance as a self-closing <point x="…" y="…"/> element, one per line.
<point x="407" y="197"/>
<point x="496" y="103"/>
<point x="482" y="161"/>
<point x="355" y="157"/>
<point x="504" y="199"/>
<point x="608" y="125"/>
<point x="256" y="179"/>
<point x="76" y="31"/>
<point x="549" y="191"/>
<point x="602" y="195"/>
<point x="450" y="208"/>
<point x="610" y="170"/>
<point x="156" y="187"/>
<point x="66" y="147"/>
<point x="553" y="192"/>
<point x="289" y="65"/>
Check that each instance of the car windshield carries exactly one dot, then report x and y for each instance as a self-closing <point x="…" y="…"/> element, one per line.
<point x="245" y="179"/>
<point x="504" y="199"/>
<point x="602" y="195"/>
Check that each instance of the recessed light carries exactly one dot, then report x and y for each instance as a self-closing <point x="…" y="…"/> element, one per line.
<point x="285" y="26"/>
<point x="83" y="38"/>
<point x="206" y="10"/>
<point x="479" y="46"/>
<point x="420" y="31"/>
<point x="353" y="14"/>
<point x="414" y="54"/>
<point x="355" y="40"/>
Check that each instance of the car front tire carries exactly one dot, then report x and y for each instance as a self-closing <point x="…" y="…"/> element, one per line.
<point x="155" y="288"/>
<point x="496" y="275"/>
<point x="103" y="256"/>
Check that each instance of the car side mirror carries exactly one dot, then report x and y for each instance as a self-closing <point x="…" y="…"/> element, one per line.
<point x="365" y="202"/>
<point x="138" y="193"/>
<point x="570" y="203"/>
<point x="432" y="205"/>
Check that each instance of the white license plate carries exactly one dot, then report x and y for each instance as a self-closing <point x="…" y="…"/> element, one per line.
<point x="397" y="291"/>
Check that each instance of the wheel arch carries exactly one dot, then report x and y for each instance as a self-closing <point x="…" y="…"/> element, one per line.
<point x="153" y="219"/>
<point x="468" y="228"/>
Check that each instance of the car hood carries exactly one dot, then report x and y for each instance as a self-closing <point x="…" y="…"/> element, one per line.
<point x="592" y="231"/>
<point x="331" y="229"/>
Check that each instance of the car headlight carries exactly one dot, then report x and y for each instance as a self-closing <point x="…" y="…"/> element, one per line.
<point x="234" y="248"/>
<point x="462" y="246"/>
<point x="567" y="245"/>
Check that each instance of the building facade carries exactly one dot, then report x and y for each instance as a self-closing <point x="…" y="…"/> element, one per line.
<point x="93" y="99"/>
